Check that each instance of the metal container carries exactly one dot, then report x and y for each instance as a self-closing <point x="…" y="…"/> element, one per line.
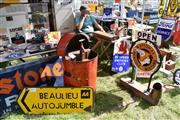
<point x="77" y="72"/>
<point x="156" y="93"/>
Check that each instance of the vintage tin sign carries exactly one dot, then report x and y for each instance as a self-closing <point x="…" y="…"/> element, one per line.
<point x="172" y="7"/>
<point x="161" y="8"/>
<point x="46" y="72"/>
<point x="56" y="100"/>
<point x="165" y="28"/>
<point x="121" y="59"/>
<point x="145" y="57"/>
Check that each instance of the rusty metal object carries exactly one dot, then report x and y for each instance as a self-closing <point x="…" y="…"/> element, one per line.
<point x="156" y="92"/>
<point x="79" y="62"/>
<point x="70" y="42"/>
<point x="153" y="97"/>
<point x="81" y="73"/>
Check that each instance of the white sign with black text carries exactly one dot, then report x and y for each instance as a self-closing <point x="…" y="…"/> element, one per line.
<point x="149" y="36"/>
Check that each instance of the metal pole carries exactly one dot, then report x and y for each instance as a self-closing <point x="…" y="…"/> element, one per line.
<point x="143" y="13"/>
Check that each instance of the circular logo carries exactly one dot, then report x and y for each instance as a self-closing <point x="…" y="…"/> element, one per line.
<point x="177" y="76"/>
<point x="145" y="55"/>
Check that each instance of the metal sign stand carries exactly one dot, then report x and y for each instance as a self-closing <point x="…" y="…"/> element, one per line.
<point x="143" y="90"/>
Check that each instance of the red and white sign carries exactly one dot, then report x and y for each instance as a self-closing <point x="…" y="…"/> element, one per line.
<point x="142" y="74"/>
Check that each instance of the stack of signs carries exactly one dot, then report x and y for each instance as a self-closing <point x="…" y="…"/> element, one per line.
<point x="121" y="60"/>
<point x="165" y="28"/>
<point x="38" y="73"/>
<point x="107" y="15"/>
<point x="148" y="36"/>
<point x="145" y="57"/>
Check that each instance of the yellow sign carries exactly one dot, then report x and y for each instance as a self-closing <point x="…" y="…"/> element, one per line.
<point x="161" y="8"/>
<point x="55" y="100"/>
<point x="92" y="7"/>
<point x="14" y="1"/>
<point x="145" y="56"/>
<point x="172" y="7"/>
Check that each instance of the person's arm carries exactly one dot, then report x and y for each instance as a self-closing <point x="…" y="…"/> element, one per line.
<point x="100" y="27"/>
<point x="80" y="25"/>
<point x="97" y="25"/>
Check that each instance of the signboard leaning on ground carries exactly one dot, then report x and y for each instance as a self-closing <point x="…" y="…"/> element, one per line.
<point x="56" y="100"/>
<point x="13" y="79"/>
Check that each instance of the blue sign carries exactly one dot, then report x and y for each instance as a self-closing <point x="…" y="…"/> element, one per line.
<point x="121" y="63"/>
<point x="107" y="14"/>
<point x="32" y="74"/>
<point x="153" y="17"/>
<point x="165" y="28"/>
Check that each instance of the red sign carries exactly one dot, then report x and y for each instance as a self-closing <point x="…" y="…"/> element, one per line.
<point x="178" y="25"/>
<point x="176" y="35"/>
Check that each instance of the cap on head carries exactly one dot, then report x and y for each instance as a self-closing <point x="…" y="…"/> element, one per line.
<point x="83" y="8"/>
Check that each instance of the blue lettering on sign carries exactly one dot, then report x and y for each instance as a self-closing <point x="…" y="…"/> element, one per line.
<point x="121" y="63"/>
<point x="165" y="28"/>
<point x="166" y="25"/>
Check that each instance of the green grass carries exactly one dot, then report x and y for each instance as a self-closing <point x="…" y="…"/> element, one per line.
<point x="115" y="103"/>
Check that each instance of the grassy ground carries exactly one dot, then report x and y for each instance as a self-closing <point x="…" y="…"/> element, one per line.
<point x="115" y="103"/>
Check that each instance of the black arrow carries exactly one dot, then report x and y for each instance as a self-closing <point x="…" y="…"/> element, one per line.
<point x="23" y="101"/>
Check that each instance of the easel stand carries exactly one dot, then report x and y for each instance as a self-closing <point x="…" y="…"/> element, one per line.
<point x="139" y="90"/>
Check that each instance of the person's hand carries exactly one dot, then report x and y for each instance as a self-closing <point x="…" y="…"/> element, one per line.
<point x="85" y="15"/>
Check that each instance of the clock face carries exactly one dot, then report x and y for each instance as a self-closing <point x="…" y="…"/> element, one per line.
<point x="144" y="56"/>
<point x="177" y="76"/>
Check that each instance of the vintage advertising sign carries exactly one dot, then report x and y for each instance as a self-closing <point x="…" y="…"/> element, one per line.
<point x="172" y="7"/>
<point x="153" y="17"/>
<point x="121" y="60"/>
<point x="177" y="25"/>
<point x="165" y="28"/>
<point x="37" y="73"/>
<point x="161" y="8"/>
<point x="145" y="57"/>
<point x="17" y="35"/>
<point x="107" y="15"/>
<point x="121" y="63"/>
<point x="149" y="36"/>
<point x="176" y="34"/>
<point x="56" y="100"/>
